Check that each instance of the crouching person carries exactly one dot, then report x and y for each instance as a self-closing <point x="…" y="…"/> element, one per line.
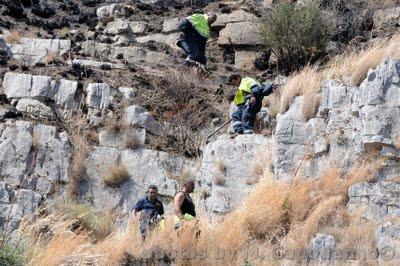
<point x="151" y="210"/>
<point x="248" y="100"/>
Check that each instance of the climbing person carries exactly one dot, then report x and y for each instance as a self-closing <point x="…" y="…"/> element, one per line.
<point x="196" y="30"/>
<point x="183" y="204"/>
<point x="248" y="101"/>
<point x="151" y="210"/>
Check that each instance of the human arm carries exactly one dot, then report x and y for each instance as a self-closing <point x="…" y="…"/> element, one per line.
<point x="138" y="206"/>
<point x="185" y="25"/>
<point x="178" y="200"/>
<point x="161" y="210"/>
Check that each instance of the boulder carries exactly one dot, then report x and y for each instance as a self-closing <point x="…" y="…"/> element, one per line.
<point x="27" y="203"/>
<point x="138" y="116"/>
<point x="120" y="139"/>
<point x="129" y="93"/>
<point x="132" y="54"/>
<point x="65" y="94"/>
<point x="53" y="150"/>
<point x="376" y="201"/>
<point x="291" y="138"/>
<point x="231" y="161"/>
<point x="109" y="12"/>
<point x="35" y="108"/>
<point x="27" y="86"/>
<point x="233" y="34"/>
<point x="99" y="96"/>
<point x="171" y="25"/>
<point x="384" y="18"/>
<point x="138" y="27"/>
<point x="236" y="16"/>
<point x="30" y="51"/>
<point x="168" y="39"/>
<point x="245" y="59"/>
<point x="321" y="250"/>
<point x="387" y="237"/>
<point x="15" y="151"/>
<point x="118" y="26"/>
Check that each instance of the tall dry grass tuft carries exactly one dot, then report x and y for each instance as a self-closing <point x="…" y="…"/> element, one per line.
<point x="367" y="60"/>
<point x="352" y="68"/>
<point x="116" y="176"/>
<point x="307" y="82"/>
<point x="60" y="247"/>
<point x="273" y="103"/>
<point x="13" y="37"/>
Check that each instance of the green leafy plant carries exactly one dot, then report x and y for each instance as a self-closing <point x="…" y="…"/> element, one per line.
<point x="297" y="34"/>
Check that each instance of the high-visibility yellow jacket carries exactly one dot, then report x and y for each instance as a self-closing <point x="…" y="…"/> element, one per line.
<point x="200" y="24"/>
<point x="244" y="89"/>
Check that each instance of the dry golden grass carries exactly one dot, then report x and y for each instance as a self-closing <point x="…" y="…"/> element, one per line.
<point x="51" y="57"/>
<point x="219" y="180"/>
<point x="113" y="126"/>
<point x="352" y="68"/>
<point x="289" y="217"/>
<point x="77" y="169"/>
<point x="220" y="167"/>
<point x="12" y="37"/>
<point x="131" y="140"/>
<point x="92" y="137"/>
<point x="307" y="82"/>
<point x="116" y="176"/>
<point x="273" y="103"/>
<point x="58" y="249"/>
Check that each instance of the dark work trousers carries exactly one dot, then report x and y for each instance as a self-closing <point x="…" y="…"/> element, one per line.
<point x="244" y="116"/>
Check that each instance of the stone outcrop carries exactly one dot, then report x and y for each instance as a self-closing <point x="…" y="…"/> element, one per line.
<point x="138" y="116"/>
<point x="227" y="168"/>
<point x="30" y="51"/>
<point x="34" y="161"/>
<point x="234" y="34"/>
<point x="377" y="200"/>
<point x="350" y="121"/>
<point x="387" y="237"/>
<point x="145" y="167"/>
<point x="27" y="86"/>
<point x="131" y="54"/>
<point x="99" y="96"/>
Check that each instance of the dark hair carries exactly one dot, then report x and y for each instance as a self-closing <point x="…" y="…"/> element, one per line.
<point x="188" y="181"/>
<point x="234" y="77"/>
<point x="152" y="187"/>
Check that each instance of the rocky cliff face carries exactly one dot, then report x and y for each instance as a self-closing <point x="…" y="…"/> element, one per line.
<point x="61" y="91"/>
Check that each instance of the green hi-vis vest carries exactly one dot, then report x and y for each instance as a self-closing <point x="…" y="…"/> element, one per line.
<point x="244" y="88"/>
<point x="200" y="23"/>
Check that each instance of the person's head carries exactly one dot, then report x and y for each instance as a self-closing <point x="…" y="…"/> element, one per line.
<point x="189" y="185"/>
<point x="212" y="17"/>
<point x="152" y="192"/>
<point x="235" y="79"/>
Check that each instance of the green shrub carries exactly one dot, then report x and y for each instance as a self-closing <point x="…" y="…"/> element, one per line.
<point x="9" y="256"/>
<point x="296" y="34"/>
<point x="100" y="224"/>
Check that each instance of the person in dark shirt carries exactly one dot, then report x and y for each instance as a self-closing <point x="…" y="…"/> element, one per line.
<point x="196" y="31"/>
<point x="149" y="207"/>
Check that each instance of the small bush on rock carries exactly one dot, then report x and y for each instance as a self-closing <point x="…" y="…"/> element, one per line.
<point x="116" y="176"/>
<point x="296" y="34"/>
